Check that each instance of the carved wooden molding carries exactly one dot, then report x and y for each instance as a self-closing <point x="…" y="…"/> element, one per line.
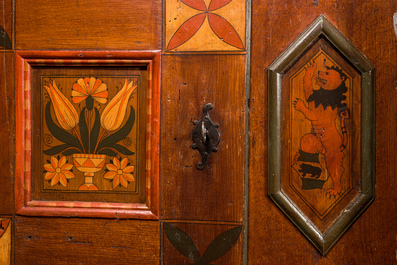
<point x="303" y="179"/>
<point x="104" y="105"/>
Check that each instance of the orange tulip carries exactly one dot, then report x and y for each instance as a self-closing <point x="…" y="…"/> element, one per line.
<point x="65" y="113"/>
<point x="114" y="112"/>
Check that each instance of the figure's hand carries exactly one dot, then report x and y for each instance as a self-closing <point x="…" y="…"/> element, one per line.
<point x="298" y="104"/>
<point x="311" y="67"/>
<point x="296" y="157"/>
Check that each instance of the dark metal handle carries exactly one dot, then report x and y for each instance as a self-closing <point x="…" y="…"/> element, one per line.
<point x="205" y="136"/>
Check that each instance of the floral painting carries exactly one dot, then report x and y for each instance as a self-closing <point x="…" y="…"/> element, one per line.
<point x="89" y="137"/>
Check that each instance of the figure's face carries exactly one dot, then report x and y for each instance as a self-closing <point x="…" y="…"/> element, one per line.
<point x="329" y="79"/>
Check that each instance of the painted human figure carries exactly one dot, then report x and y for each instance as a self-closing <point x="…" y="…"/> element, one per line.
<point x="324" y="106"/>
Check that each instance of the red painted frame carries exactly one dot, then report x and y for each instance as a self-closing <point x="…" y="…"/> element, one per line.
<point x="24" y="61"/>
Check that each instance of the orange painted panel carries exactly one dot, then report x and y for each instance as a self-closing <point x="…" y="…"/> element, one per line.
<point x="217" y="25"/>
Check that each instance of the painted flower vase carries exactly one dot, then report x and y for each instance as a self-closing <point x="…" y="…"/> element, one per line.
<point x="89" y="164"/>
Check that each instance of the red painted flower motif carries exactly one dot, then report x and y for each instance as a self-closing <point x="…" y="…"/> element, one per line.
<point x="120" y="172"/>
<point x="220" y="26"/>
<point x="58" y="171"/>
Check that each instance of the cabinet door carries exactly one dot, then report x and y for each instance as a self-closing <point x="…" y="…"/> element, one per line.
<point x="272" y="237"/>
<point x="53" y="49"/>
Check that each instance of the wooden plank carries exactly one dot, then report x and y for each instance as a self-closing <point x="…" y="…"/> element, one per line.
<point x="7" y="132"/>
<point x="273" y="239"/>
<point x="88" y="24"/>
<point x="6" y="25"/>
<point x="85" y="241"/>
<point x="188" y="83"/>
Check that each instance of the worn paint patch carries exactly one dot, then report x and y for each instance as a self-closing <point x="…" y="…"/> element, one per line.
<point x="395" y="23"/>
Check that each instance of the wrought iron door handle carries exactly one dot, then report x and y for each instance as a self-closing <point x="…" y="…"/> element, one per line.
<point x="205" y="136"/>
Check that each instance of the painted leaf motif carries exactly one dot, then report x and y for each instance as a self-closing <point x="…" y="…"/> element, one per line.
<point x="95" y="131"/>
<point x="119" y="148"/>
<point x="59" y="133"/>
<point x="216" y="4"/>
<point x="182" y="242"/>
<point x="120" y="134"/>
<point x="107" y="151"/>
<point x="63" y="148"/>
<point x="84" y="130"/>
<point x="3" y="226"/>
<point x="196" y="4"/>
<point x="222" y="244"/>
<point x="225" y="31"/>
<point x="186" y="31"/>
<point x="5" y="39"/>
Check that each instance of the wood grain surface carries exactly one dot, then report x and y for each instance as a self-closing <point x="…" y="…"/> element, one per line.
<point x="86" y="241"/>
<point x="206" y="202"/>
<point x="88" y="25"/>
<point x="188" y="83"/>
<point x="272" y="238"/>
<point x="7" y="133"/>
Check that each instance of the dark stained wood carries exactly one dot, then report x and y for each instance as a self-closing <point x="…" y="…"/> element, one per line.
<point x="88" y="25"/>
<point x="273" y="239"/>
<point x="188" y="83"/>
<point x="7" y="133"/>
<point x="85" y="241"/>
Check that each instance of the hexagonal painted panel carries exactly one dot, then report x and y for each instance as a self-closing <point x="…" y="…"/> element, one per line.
<point x="321" y="138"/>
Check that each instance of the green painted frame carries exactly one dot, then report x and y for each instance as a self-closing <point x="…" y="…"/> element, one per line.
<point x="321" y="27"/>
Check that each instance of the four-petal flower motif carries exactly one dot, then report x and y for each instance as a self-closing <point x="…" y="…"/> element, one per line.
<point x="219" y="25"/>
<point x="120" y="172"/>
<point x="58" y="171"/>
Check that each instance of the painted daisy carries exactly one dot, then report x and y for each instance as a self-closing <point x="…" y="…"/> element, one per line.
<point x="120" y="172"/>
<point x="58" y="171"/>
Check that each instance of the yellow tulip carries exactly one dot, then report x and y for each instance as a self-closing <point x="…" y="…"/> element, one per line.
<point x="65" y="113"/>
<point x="114" y="112"/>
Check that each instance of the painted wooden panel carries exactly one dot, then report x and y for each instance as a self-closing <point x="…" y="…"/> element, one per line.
<point x="89" y="25"/>
<point x="86" y="241"/>
<point x="5" y="241"/>
<point x="324" y="140"/>
<point x="273" y="239"/>
<point x="86" y="129"/>
<point x="188" y="82"/>
<point x="204" y="25"/>
<point x="201" y="243"/>
<point x="323" y="151"/>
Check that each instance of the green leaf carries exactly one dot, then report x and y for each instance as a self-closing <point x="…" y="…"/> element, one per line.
<point x="121" y="149"/>
<point x="70" y="152"/>
<point x="84" y="130"/>
<point x="95" y="131"/>
<point x="108" y="152"/>
<point x="120" y="134"/>
<point x="60" y="149"/>
<point x="182" y="242"/>
<point x="5" y="39"/>
<point x="222" y="244"/>
<point x="59" y="133"/>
